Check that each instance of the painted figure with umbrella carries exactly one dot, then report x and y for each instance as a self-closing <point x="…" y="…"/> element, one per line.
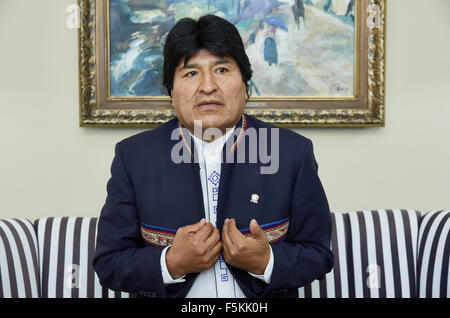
<point x="270" y="44"/>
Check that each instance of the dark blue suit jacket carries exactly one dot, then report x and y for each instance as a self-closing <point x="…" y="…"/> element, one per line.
<point x="150" y="197"/>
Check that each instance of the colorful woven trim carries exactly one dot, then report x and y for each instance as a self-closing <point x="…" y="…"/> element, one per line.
<point x="275" y="231"/>
<point x="180" y="133"/>
<point x="157" y="236"/>
<point x="241" y="134"/>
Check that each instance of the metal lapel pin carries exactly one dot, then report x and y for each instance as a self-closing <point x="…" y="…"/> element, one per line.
<point x="254" y="198"/>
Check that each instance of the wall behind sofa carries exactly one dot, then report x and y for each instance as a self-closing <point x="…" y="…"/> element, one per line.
<point x="49" y="166"/>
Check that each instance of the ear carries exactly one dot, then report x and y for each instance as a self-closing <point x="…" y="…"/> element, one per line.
<point x="247" y="88"/>
<point x="246" y="93"/>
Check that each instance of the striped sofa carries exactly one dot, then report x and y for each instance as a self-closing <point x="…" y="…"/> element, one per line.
<point x="378" y="254"/>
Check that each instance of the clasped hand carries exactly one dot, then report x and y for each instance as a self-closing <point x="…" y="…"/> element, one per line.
<point x="197" y="247"/>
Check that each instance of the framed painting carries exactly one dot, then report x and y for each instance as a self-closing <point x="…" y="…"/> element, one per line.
<point x="316" y="63"/>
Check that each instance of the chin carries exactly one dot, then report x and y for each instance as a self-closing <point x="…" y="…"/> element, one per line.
<point x="213" y="124"/>
<point x="212" y="120"/>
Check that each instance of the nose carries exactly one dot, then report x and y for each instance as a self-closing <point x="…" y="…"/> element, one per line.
<point x="207" y="84"/>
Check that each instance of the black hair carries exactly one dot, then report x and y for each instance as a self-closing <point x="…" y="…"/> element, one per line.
<point x="210" y="32"/>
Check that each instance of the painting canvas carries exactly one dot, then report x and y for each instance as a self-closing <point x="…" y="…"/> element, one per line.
<point x="316" y="63"/>
<point x="320" y="32"/>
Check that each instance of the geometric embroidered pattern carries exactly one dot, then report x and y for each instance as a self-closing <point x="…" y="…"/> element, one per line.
<point x="157" y="236"/>
<point x="275" y="231"/>
<point x="214" y="177"/>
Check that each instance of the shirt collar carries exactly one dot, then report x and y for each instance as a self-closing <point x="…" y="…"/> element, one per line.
<point x="213" y="147"/>
<point x="242" y="124"/>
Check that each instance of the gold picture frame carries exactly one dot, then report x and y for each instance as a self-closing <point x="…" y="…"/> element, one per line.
<point x="365" y="108"/>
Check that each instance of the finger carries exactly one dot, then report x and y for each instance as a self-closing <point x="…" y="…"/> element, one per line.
<point x="226" y="233"/>
<point x="213" y="238"/>
<point x="224" y="244"/>
<point x="233" y="232"/>
<point x="217" y="248"/>
<point x="225" y="236"/>
<point x="257" y="231"/>
<point x="228" y="247"/>
<point x="225" y="248"/>
<point x="204" y="232"/>
<point x="192" y="228"/>
<point x="214" y="253"/>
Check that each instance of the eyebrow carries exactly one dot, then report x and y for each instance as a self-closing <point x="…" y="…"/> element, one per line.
<point x="215" y="63"/>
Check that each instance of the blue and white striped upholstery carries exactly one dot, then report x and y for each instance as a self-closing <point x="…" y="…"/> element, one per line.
<point x="434" y="255"/>
<point x="375" y="256"/>
<point x="19" y="272"/>
<point x="66" y="249"/>
<point x="378" y="254"/>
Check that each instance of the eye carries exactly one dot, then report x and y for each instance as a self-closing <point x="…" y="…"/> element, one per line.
<point x="191" y="74"/>
<point x="222" y="70"/>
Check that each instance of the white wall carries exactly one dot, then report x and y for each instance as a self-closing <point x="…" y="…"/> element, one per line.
<point x="49" y="166"/>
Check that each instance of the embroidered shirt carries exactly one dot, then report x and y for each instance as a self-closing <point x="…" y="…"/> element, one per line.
<point x="217" y="281"/>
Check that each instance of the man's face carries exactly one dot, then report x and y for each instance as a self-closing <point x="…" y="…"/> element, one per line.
<point x="208" y="88"/>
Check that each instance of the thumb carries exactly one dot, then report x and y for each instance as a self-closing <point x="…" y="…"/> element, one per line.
<point x="196" y="226"/>
<point x="257" y="231"/>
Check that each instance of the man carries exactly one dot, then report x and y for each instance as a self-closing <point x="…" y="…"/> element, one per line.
<point x="214" y="224"/>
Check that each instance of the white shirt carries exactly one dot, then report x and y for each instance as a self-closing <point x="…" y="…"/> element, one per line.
<point x="218" y="281"/>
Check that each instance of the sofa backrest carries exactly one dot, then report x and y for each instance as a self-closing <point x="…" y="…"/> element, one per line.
<point x="66" y="249"/>
<point x="19" y="271"/>
<point x="375" y="256"/>
<point x="381" y="253"/>
<point x="433" y="255"/>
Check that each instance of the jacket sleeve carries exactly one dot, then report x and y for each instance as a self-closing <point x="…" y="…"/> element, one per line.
<point x="305" y="253"/>
<point x="122" y="262"/>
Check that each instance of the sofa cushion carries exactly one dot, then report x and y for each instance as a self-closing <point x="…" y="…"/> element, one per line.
<point x="66" y="249"/>
<point x="375" y="256"/>
<point x="433" y="255"/>
<point x="19" y="273"/>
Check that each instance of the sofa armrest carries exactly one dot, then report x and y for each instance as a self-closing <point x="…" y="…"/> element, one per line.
<point x="433" y="271"/>
<point x="19" y="272"/>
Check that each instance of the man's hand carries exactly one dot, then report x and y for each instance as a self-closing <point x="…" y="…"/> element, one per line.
<point x="196" y="248"/>
<point x="251" y="254"/>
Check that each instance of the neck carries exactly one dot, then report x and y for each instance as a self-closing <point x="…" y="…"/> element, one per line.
<point x="211" y="133"/>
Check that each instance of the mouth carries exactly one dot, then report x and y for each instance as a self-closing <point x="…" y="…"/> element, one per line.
<point x="209" y="105"/>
